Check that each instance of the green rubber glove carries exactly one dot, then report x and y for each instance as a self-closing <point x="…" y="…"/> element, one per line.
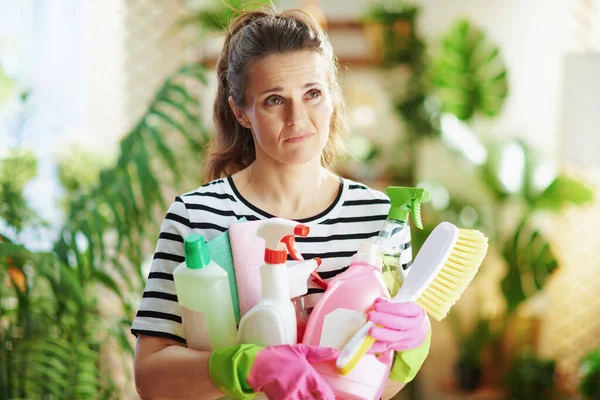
<point x="230" y="367"/>
<point x="407" y="363"/>
<point x="281" y="372"/>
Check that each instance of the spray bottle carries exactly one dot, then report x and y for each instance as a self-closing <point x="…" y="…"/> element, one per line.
<point x="202" y="288"/>
<point x="395" y="232"/>
<point x="298" y="276"/>
<point x="273" y="320"/>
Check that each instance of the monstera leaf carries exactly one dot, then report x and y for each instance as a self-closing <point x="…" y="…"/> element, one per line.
<point x="530" y="263"/>
<point x="469" y="74"/>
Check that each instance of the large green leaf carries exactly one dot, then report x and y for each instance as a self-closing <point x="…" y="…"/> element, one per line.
<point x="530" y="263"/>
<point x="468" y="73"/>
<point x="564" y="191"/>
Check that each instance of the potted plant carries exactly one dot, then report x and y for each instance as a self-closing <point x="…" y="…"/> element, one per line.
<point x="468" y="370"/>
<point x="530" y="377"/>
<point x="589" y="374"/>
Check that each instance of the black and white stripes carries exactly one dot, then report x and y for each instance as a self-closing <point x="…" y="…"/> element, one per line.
<point x="336" y="233"/>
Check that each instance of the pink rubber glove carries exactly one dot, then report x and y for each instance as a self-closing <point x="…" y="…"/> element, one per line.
<point x="284" y="372"/>
<point x="401" y="326"/>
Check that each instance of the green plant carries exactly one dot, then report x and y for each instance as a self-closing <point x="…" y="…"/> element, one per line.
<point x="448" y="87"/>
<point x="216" y="16"/>
<point x="472" y="343"/>
<point x="589" y="374"/>
<point x="398" y="37"/>
<point x="530" y="377"/>
<point x="468" y="73"/>
<point x="50" y="326"/>
<point x="16" y="169"/>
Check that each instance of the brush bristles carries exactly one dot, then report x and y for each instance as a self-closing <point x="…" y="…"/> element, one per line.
<point x="456" y="274"/>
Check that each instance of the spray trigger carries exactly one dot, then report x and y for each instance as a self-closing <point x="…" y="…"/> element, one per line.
<point x="290" y="244"/>
<point x="416" y="213"/>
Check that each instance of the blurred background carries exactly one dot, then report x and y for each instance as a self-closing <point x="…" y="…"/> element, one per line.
<point x="494" y="106"/>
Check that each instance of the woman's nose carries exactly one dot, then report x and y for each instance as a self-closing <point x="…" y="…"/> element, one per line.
<point x="296" y="113"/>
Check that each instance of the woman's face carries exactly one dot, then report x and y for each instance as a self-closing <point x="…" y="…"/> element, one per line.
<point x="289" y="107"/>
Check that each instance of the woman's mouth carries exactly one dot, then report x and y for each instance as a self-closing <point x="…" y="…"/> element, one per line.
<point x="301" y="137"/>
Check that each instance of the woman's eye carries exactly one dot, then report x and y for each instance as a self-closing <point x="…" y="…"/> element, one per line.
<point x="313" y="94"/>
<point x="273" y="101"/>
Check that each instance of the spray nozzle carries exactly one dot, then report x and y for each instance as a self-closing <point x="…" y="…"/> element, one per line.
<point x="280" y="239"/>
<point x="405" y="201"/>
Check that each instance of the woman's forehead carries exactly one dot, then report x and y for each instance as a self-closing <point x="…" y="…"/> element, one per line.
<point x="287" y="71"/>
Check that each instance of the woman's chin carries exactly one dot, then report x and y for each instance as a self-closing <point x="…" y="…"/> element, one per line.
<point x="301" y="157"/>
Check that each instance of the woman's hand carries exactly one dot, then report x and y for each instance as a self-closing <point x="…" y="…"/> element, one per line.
<point x="285" y="372"/>
<point x="400" y="326"/>
<point x="281" y="372"/>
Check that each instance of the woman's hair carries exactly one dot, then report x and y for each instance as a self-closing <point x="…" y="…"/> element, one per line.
<point x="251" y="36"/>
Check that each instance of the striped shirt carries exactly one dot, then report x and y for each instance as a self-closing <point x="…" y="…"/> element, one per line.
<point x="355" y="215"/>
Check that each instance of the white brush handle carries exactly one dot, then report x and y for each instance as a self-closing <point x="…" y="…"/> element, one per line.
<point x="350" y="349"/>
<point x="348" y="353"/>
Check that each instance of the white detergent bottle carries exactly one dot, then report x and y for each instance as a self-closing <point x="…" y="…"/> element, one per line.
<point x="273" y="320"/>
<point x="203" y="292"/>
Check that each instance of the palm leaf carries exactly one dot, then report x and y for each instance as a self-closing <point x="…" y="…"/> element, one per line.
<point x="114" y="216"/>
<point x="164" y="151"/>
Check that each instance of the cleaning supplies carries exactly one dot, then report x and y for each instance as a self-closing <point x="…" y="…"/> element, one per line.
<point x="248" y="252"/>
<point x="444" y="267"/>
<point x="340" y="313"/>
<point x="203" y="291"/>
<point x="273" y="320"/>
<point x="298" y="276"/>
<point x="394" y="235"/>
<point x="219" y="250"/>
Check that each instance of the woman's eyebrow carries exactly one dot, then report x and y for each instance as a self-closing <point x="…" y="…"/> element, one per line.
<point x="280" y="89"/>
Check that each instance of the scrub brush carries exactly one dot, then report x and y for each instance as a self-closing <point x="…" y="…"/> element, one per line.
<point x="444" y="267"/>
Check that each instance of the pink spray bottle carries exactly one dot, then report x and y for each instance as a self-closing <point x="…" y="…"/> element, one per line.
<point x="340" y="313"/>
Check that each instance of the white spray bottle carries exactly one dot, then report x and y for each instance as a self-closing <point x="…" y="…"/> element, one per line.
<point x="273" y="320"/>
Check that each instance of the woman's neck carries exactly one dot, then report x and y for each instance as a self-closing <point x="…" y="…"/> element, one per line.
<point x="288" y="191"/>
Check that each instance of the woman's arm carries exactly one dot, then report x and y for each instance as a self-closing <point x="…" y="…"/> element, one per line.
<point x="166" y="369"/>
<point x="391" y="389"/>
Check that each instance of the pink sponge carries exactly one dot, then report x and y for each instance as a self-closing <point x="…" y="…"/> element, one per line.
<point x="248" y="251"/>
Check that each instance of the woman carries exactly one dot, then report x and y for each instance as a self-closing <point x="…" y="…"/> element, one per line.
<point x="278" y="117"/>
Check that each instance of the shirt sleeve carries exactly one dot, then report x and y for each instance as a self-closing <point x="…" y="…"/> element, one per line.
<point x="159" y="312"/>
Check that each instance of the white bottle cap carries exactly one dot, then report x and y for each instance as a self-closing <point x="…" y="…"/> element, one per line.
<point x="369" y="253"/>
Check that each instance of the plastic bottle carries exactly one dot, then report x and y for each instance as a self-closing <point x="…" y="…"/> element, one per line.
<point x="202" y="288"/>
<point x="273" y="320"/>
<point x="298" y="276"/>
<point x="340" y="313"/>
<point x="395" y="232"/>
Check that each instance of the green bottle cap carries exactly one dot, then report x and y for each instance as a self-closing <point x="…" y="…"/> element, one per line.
<point x="196" y="252"/>
<point x="405" y="201"/>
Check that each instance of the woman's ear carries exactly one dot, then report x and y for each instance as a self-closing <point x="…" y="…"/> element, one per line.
<point x="239" y="114"/>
